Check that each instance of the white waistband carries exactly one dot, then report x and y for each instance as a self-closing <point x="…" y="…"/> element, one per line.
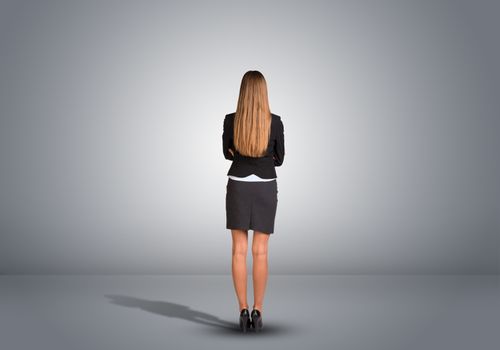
<point x="251" y="177"/>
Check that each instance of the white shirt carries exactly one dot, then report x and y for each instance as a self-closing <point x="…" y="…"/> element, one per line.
<point x="250" y="178"/>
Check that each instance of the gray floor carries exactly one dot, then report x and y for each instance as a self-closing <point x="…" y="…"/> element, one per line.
<point x="300" y="312"/>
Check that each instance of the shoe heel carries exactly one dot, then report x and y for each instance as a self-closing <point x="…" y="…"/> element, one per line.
<point x="245" y="322"/>
<point x="257" y="323"/>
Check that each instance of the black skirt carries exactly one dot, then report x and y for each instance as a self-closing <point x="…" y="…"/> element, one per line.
<point x="251" y="205"/>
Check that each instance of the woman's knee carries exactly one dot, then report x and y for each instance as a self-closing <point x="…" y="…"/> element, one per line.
<point x="240" y="249"/>
<point x="259" y="249"/>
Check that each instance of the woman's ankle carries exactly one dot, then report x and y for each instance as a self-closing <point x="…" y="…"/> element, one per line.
<point x="257" y="307"/>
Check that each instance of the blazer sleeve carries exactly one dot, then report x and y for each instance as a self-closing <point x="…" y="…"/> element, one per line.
<point x="227" y="139"/>
<point x="279" y="145"/>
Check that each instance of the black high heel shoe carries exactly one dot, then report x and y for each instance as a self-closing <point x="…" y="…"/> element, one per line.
<point x="257" y="320"/>
<point x="245" y="322"/>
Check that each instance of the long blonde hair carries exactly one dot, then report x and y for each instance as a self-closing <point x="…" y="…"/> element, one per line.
<point x="252" y="122"/>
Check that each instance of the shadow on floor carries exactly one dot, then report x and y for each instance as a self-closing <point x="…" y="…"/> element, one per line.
<point x="174" y="310"/>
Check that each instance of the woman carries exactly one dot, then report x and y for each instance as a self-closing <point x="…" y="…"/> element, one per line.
<point x="253" y="138"/>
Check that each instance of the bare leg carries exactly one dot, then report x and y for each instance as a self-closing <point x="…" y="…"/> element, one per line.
<point x="239" y="266"/>
<point x="260" y="268"/>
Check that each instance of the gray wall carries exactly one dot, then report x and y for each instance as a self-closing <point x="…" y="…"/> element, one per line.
<point x="111" y="120"/>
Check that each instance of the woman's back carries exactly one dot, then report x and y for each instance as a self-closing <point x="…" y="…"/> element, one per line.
<point x="264" y="166"/>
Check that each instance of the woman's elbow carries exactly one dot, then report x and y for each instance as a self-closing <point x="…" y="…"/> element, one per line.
<point x="278" y="160"/>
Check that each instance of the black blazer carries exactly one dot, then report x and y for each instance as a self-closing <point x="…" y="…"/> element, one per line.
<point x="261" y="166"/>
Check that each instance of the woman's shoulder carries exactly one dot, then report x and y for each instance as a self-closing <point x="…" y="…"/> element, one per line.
<point x="277" y="122"/>
<point x="276" y="117"/>
<point x="229" y="119"/>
